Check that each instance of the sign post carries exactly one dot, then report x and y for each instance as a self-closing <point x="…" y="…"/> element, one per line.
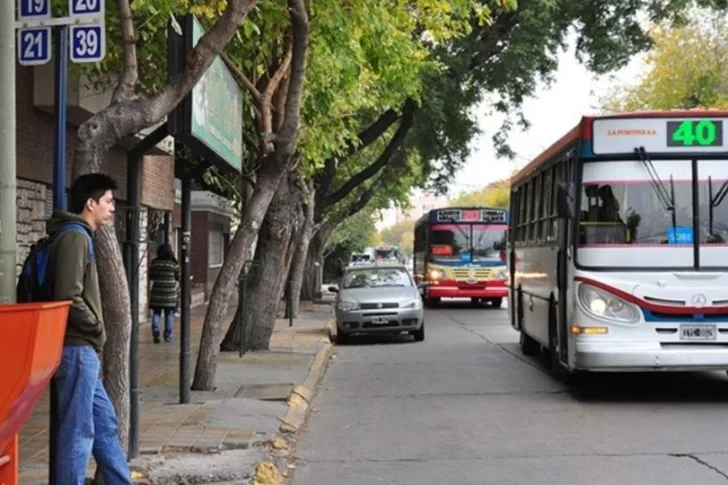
<point x="86" y="27"/>
<point x="83" y="32"/>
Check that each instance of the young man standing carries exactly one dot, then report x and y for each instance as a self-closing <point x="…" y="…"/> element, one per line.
<point x="86" y="417"/>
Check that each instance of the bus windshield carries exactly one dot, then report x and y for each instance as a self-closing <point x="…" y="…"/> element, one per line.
<point x="623" y="206"/>
<point x="489" y="242"/>
<point x="449" y="242"/>
<point x="386" y="253"/>
<point x="467" y="242"/>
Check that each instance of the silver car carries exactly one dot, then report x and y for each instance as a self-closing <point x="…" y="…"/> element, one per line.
<point x="377" y="299"/>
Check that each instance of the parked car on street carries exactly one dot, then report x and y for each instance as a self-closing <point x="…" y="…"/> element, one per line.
<point x="378" y="298"/>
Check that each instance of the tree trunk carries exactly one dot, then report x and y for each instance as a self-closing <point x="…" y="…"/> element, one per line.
<point x="231" y="342"/>
<point x="117" y="320"/>
<point x="224" y="286"/>
<point x="308" y="276"/>
<point x="273" y="255"/>
<point x="299" y="266"/>
<point x="274" y="166"/>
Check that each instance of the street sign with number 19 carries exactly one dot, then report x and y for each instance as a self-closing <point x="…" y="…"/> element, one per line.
<point x="34" y="9"/>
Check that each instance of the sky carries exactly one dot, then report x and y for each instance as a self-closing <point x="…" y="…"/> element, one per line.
<point x="552" y="111"/>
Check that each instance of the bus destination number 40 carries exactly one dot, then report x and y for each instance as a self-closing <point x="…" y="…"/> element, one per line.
<point x="695" y="133"/>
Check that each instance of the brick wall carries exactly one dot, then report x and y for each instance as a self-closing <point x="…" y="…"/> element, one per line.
<point x="158" y="182"/>
<point x="31" y="216"/>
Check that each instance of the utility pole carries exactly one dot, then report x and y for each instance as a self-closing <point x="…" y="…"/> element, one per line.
<point x="8" y="201"/>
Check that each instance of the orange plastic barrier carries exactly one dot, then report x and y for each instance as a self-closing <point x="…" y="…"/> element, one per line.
<point x="31" y="341"/>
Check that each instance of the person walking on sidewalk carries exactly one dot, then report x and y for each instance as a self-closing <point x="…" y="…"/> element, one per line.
<point x="87" y="420"/>
<point x="164" y="275"/>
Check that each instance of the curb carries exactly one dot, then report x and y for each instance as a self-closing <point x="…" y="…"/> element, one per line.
<point x="301" y="396"/>
<point x="330" y="330"/>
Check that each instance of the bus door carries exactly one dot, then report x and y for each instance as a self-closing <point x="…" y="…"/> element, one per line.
<point x="563" y="259"/>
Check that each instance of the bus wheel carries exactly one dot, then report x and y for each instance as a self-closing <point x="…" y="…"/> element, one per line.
<point x="497" y="302"/>
<point x="529" y="346"/>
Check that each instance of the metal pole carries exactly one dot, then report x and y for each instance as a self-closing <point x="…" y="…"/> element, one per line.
<point x="59" y="196"/>
<point x="60" y="110"/>
<point x="186" y="251"/>
<point x="8" y="195"/>
<point x="290" y="303"/>
<point x="133" y="229"/>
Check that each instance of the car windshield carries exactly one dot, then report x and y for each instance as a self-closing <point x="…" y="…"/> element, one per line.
<point x="376" y="278"/>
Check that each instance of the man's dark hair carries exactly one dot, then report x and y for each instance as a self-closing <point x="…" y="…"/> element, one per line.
<point x="89" y="186"/>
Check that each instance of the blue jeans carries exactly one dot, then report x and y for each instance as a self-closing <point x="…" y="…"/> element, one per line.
<point x="86" y="422"/>
<point x="168" y="322"/>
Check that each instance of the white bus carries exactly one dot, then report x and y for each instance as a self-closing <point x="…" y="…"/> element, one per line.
<point x="618" y="245"/>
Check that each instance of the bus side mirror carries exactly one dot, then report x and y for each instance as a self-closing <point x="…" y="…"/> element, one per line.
<point x="562" y="202"/>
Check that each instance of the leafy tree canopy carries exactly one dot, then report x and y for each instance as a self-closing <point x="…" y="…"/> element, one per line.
<point x="497" y="194"/>
<point x="686" y="68"/>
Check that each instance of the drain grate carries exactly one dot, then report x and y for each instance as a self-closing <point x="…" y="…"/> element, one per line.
<point x="266" y="392"/>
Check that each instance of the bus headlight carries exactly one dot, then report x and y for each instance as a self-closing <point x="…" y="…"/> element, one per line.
<point x="436" y="274"/>
<point x="502" y="275"/>
<point x="606" y="306"/>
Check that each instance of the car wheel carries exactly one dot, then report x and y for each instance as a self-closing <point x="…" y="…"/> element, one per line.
<point x="341" y="338"/>
<point x="419" y="335"/>
<point x="497" y="302"/>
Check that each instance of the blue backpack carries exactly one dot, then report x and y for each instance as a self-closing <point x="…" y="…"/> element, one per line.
<point x="32" y="283"/>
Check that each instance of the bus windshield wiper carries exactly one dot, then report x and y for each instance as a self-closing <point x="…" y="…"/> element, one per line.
<point x="666" y="199"/>
<point x="462" y="231"/>
<point x="715" y="201"/>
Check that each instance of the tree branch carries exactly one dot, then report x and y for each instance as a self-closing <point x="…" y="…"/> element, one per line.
<point x="243" y="79"/>
<point x="128" y="116"/>
<point x="373" y="131"/>
<point x="287" y="139"/>
<point x="325" y="178"/>
<point x="370" y="171"/>
<point x="271" y="88"/>
<point x="200" y="58"/>
<point x="125" y="90"/>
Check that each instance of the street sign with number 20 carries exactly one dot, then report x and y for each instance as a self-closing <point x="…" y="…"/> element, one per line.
<point x="78" y="8"/>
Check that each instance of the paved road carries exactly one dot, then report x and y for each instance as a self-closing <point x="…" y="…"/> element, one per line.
<point x="464" y="407"/>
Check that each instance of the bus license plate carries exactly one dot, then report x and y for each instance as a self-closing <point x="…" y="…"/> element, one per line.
<point x="380" y="321"/>
<point x="698" y="332"/>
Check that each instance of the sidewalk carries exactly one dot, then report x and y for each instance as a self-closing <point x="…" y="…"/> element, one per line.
<point x="249" y="406"/>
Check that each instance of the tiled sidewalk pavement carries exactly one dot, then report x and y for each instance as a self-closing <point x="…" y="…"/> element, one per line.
<point x="229" y="417"/>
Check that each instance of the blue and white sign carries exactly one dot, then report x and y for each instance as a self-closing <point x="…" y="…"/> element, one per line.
<point x="79" y="8"/>
<point x="680" y="235"/>
<point x="34" y="9"/>
<point x="34" y="46"/>
<point x="88" y="43"/>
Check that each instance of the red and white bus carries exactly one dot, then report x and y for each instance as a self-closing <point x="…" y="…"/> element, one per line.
<point x="460" y="252"/>
<point x="618" y="244"/>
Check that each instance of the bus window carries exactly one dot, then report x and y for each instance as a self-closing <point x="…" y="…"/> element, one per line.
<point x="633" y="212"/>
<point x="455" y="236"/>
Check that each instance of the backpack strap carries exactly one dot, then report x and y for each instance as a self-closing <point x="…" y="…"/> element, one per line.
<point x="77" y="226"/>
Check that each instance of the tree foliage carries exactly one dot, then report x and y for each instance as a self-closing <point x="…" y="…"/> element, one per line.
<point x="355" y="233"/>
<point x="399" y="234"/>
<point x="496" y="194"/>
<point x="688" y="68"/>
